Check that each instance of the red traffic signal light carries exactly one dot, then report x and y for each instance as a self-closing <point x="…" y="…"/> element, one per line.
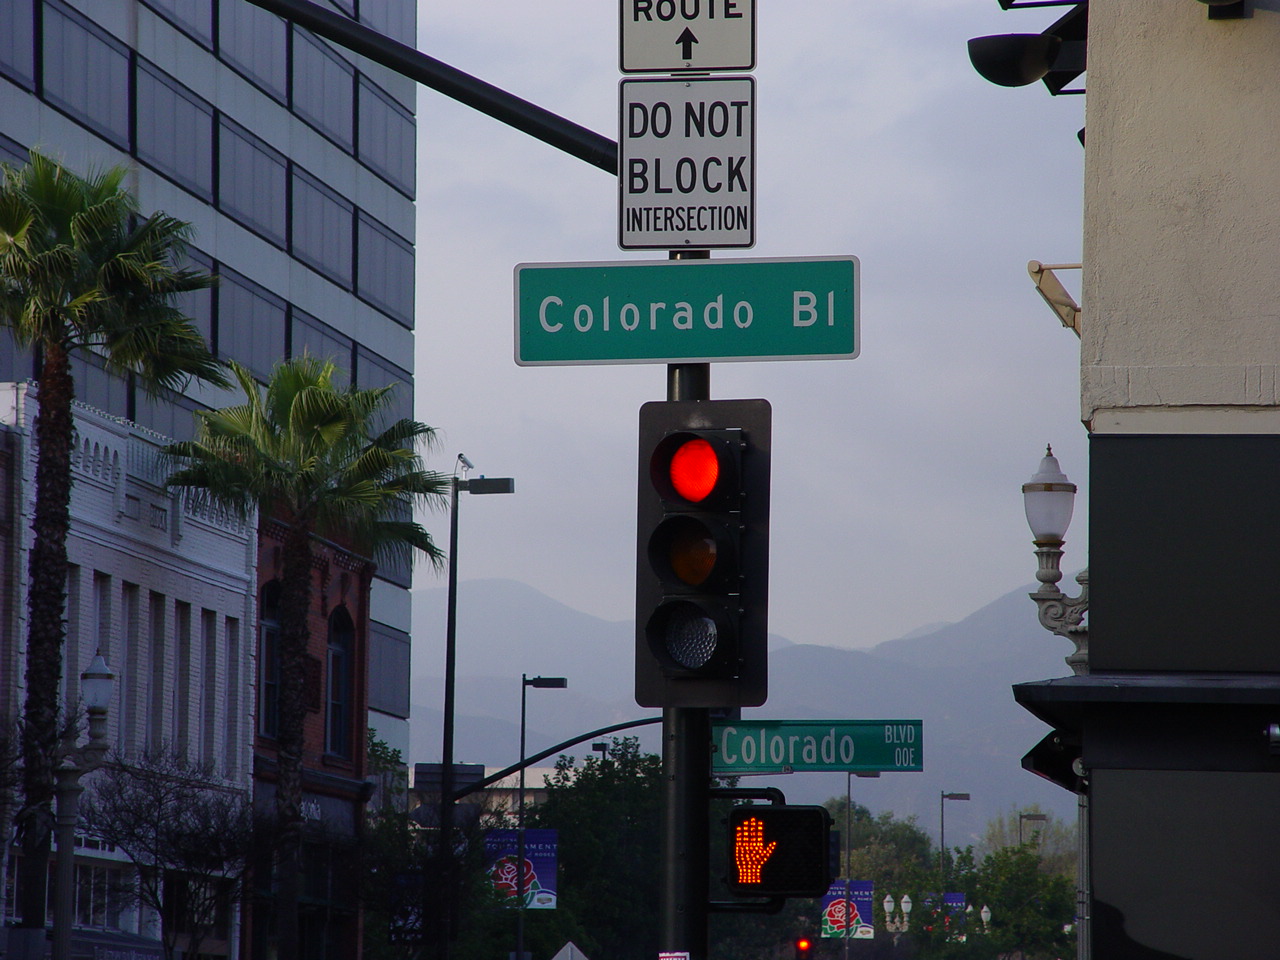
<point x="803" y="946"/>
<point x="779" y="851"/>
<point x="702" y="550"/>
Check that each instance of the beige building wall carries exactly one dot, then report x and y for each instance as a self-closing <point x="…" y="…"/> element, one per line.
<point x="1181" y="292"/>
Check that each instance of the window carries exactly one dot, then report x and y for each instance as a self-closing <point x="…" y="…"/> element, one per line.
<point x="389" y="669"/>
<point x="231" y="753"/>
<point x="393" y="18"/>
<point x="175" y="130"/>
<point x="197" y="305"/>
<point x="340" y="676"/>
<point x="97" y="896"/>
<point x="17" y="42"/>
<point x="255" y="42"/>
<point x="170" y="414"/>
<point x="388" y="142"/>
<point x="323" y="88"/>
<point x="98" y="388"/>
<point x="155" y="706"/>
<point x="180" y="732"/>
<point x="194" y="17"/>
<point x="16" y="363"/>
<point x="211" y="686"/>
<point x="373" y="371"/>
<point x="385" y="270"/>
<point x="11" y="151"/>
<point x="269" y="660"/>
<point x="252" y="180"/>
<point x="251" y="324"/>
<point x="86" y="73"/>
<point x="322" y="229"/>
<point x="320" y="340"/>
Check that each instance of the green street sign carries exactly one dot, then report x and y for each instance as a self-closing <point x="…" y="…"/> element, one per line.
<point x="800" y="746"/>
<point x="686" y="311"/>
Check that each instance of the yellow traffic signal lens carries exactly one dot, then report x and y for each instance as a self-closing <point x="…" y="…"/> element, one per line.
<point x="692" y="553"/>
<point x="694" y="470"/>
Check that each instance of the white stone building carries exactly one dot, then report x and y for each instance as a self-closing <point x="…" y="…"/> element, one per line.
<point x="164" y="590"/>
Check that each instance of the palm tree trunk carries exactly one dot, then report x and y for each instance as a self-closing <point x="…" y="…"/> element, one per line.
<point x="295" y="609"/>
<point x="46" y="605"/>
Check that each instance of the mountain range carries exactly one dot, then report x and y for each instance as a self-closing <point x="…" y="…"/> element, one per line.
<point x="955" y="677"/>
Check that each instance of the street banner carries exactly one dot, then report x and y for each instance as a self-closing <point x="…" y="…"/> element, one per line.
<point x="502" y="852"/>
<point x="846" y="910"/>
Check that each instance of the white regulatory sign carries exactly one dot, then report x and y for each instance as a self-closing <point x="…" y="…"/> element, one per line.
<point x="664" y="36"/>
<point x="686" y="163"/>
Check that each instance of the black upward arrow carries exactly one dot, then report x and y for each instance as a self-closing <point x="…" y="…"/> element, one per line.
<point x="686" y="40"/>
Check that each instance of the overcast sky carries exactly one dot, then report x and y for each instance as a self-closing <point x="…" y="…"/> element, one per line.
<point x="896" y="475"/>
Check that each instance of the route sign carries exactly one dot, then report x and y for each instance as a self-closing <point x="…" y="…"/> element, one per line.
<point x="686" y="311"/>
<point x="667" y="36"/>
<point x="800" y="746"/>
<point x="686" y="163"/>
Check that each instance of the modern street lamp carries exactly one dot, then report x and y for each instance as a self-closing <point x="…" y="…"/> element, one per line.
<point x="97" y="684"/>
<point x="601" y="747"/>
<point x="942" y="824"/>
<point x="1049" y="499"/>
<point x="479" y="485"/>
<point x="1033" y="817"/>
<point x="525" y="683"/>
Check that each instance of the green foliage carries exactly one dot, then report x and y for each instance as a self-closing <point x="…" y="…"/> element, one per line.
<point x="311" y="455"/>
<point x="1056" y="840"/>
<point x="79" y="270"/>
<point x="608" y="813"/>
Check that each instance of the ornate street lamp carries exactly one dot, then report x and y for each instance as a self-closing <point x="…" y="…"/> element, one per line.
<point x="1049" y="498"/>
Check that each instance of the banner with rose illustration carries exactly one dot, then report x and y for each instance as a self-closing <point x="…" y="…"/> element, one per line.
<point x="502" y="852"/>
<point x="846" y="910"/>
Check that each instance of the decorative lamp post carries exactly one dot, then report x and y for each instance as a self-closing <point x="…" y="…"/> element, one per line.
<point x="897" y="925"/>
<point x="97" y="684"/>
<point x="525" y="683"/>
<point x="1049" y="498"/>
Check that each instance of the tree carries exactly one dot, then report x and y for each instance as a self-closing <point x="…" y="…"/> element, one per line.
<point x="1056" y="840"/>
<point x="79" y="273"/>
<point x="310" y="456"/>
<point x="607" y="812"/>
<point x="190" y="841"/>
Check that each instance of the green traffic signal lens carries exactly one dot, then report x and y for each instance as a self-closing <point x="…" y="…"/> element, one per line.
<point x="690" y="636"/>
<point x="694" y="470"/>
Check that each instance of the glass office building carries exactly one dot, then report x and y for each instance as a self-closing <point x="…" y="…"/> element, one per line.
<point x="294" y="161"/>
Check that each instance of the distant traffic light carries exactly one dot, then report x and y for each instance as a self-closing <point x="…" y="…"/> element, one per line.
<point x="702" y="554"/>
<point x="803" y="946"/>
<point x="779" y="851"/>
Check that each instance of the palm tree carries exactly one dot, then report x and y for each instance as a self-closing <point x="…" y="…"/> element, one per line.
<point x="309" y="456"/>
<point x="80" y="272"/>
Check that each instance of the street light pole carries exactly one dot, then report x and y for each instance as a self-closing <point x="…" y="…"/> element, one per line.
<point x="478" y="486"/>
<point x="96" y="686"/>
<point x="1034" y="817"/>
<point x="525" y="683"/>
<point x="942" y="827"/>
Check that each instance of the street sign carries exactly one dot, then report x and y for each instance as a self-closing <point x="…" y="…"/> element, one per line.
<point x="686" y="163"/>
<point x="667" y="36"/>
<point x="807" y="746"/>
<point x="686" y="311"/>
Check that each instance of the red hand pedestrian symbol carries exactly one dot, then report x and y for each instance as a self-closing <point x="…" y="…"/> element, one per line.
<point x="749" y="849"/>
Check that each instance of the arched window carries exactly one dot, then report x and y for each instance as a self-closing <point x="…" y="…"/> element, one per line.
<point x="269" y="660"/>
<point x="340" y="683"/>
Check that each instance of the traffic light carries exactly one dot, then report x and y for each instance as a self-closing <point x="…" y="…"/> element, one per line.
<point x="803" y="947"/>
<point x="702" y="554"/>
<point x="779" y="851"/>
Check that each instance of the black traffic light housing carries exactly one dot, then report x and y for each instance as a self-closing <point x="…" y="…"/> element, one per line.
<point x="702" y="553"/>
<point x="779" y="851"/>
